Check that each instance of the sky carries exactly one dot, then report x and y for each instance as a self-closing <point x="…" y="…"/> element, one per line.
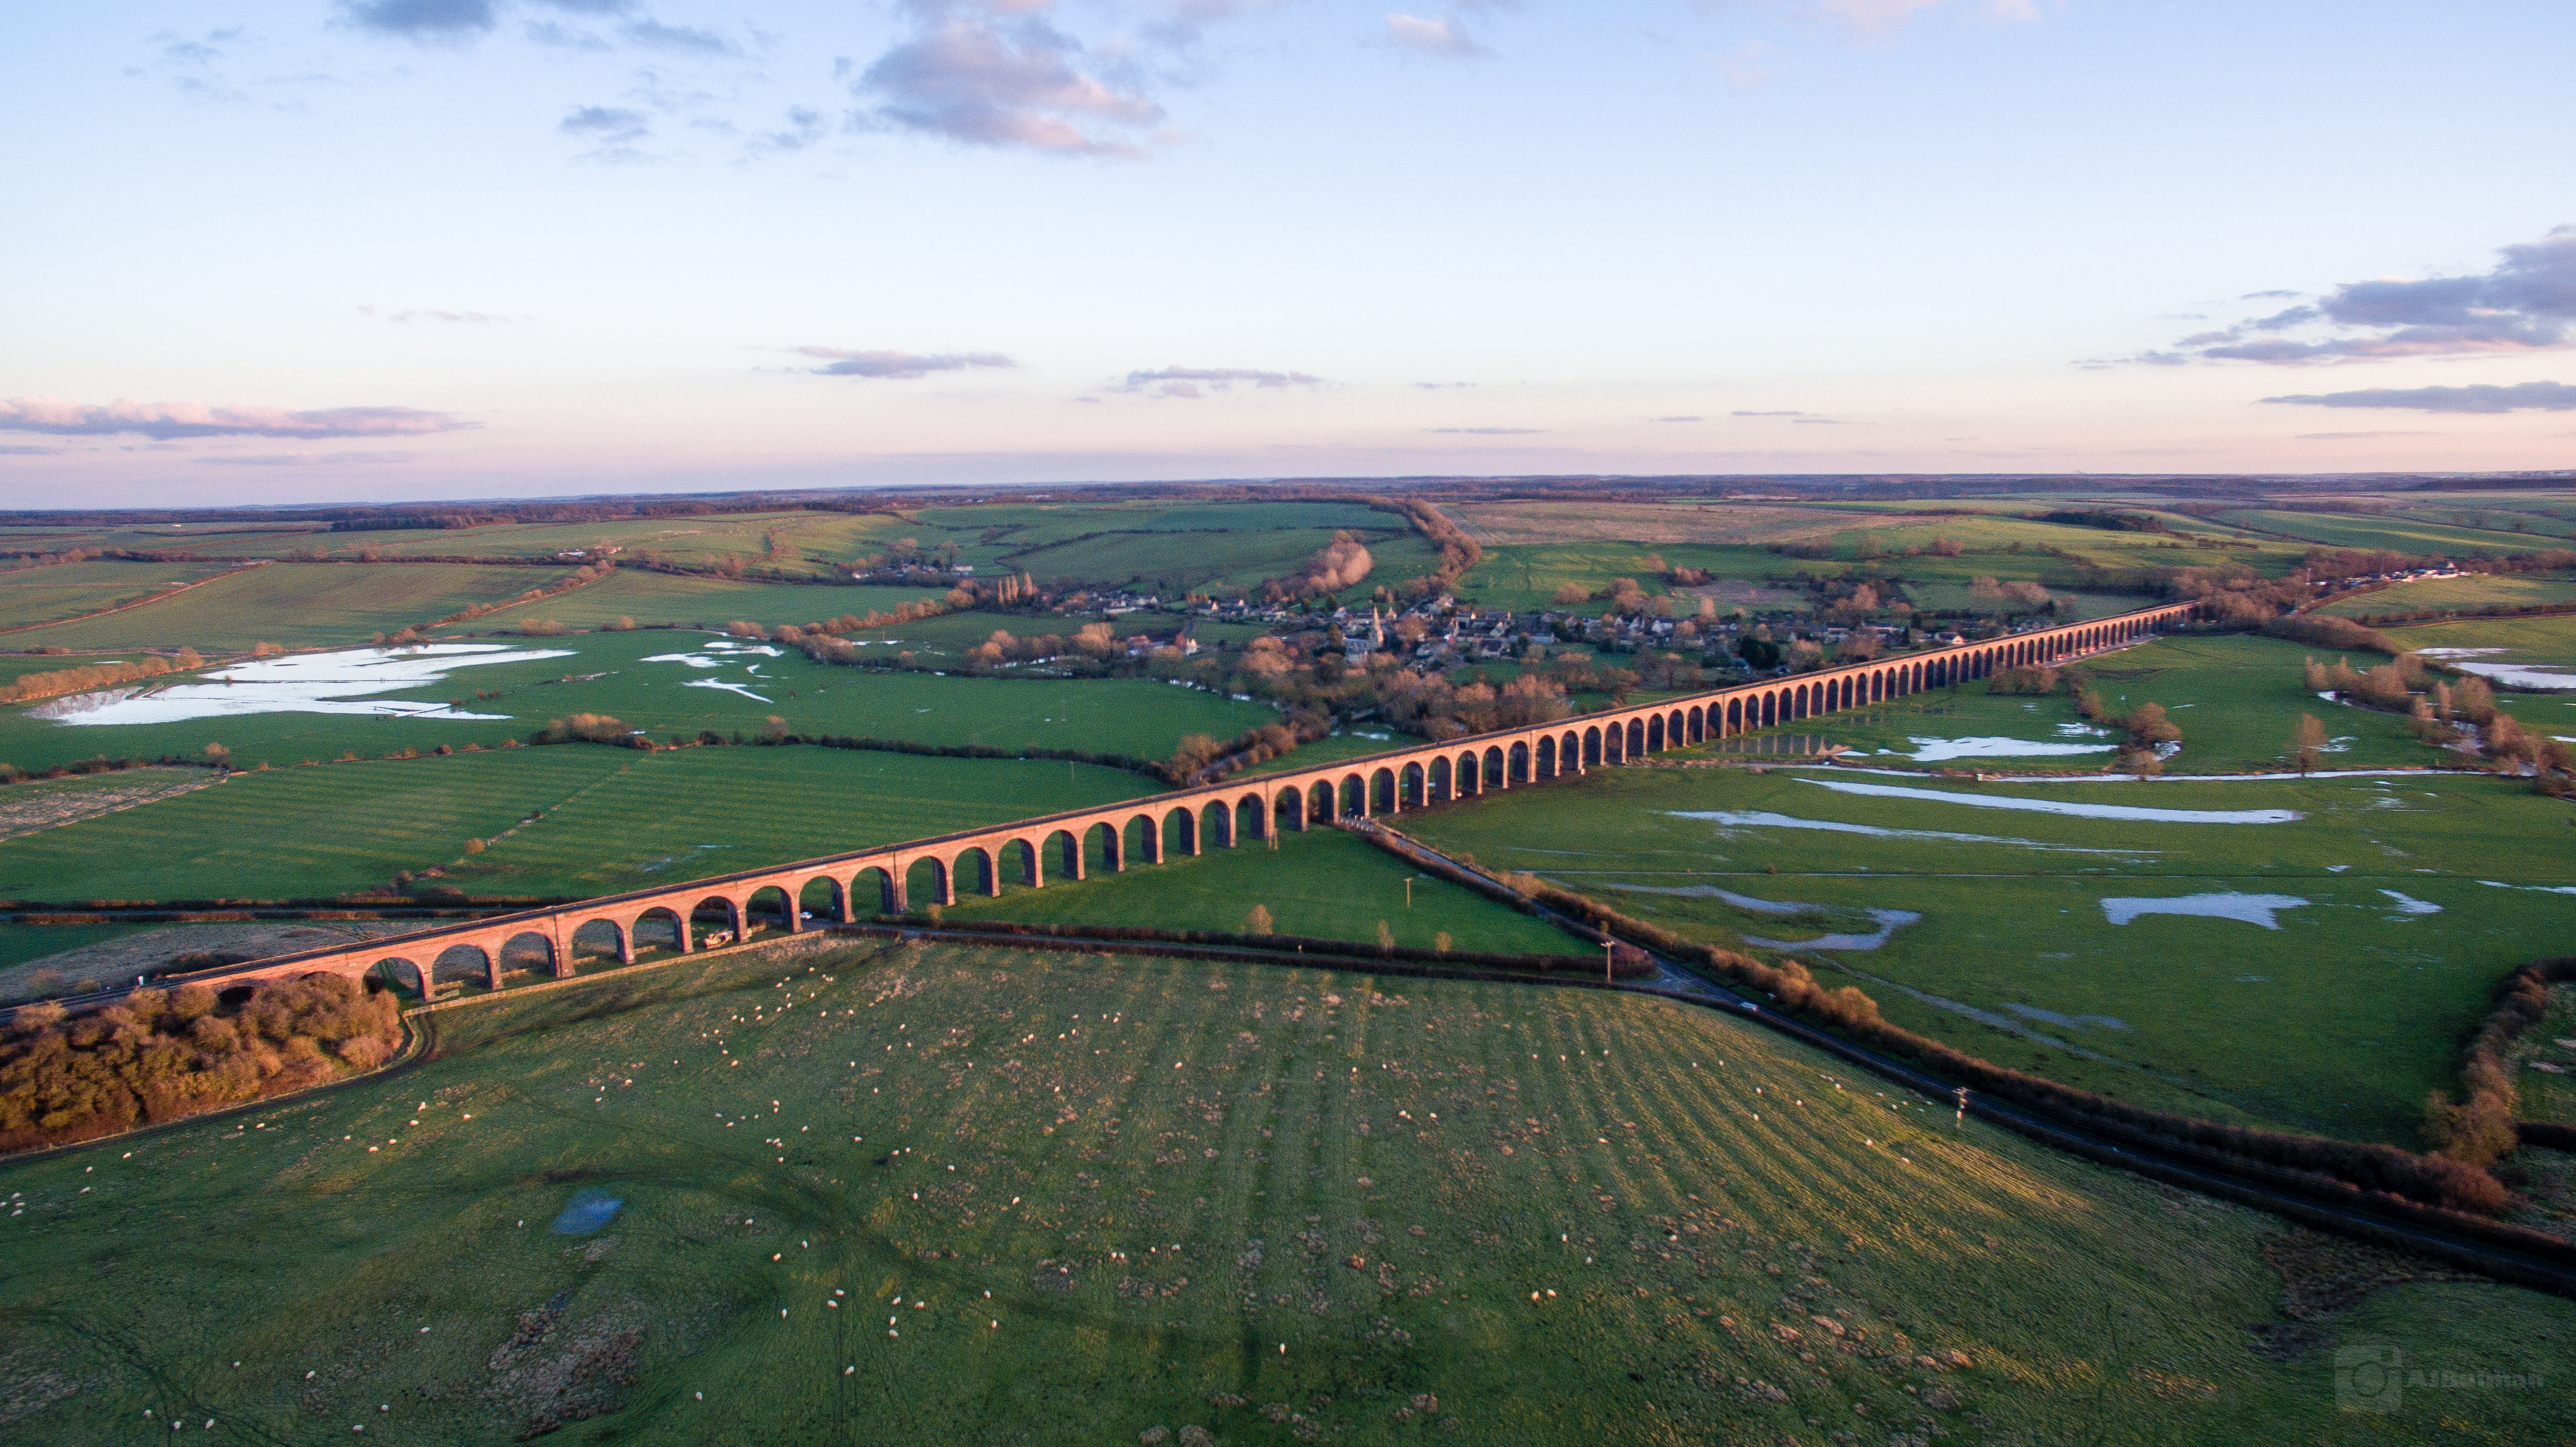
<point x="389" y="250"/>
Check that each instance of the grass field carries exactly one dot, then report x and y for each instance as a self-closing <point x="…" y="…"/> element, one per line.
<point x="2418" y="895"/>
<point x="1132" y="716"/>
<point x="672" y="598"/>
<point x="2468" y="592"/>
<point x="2518" y="640"/>
<point x="1323" y="882"/>
<point x="807" y="541"/>
<point x="64" y="590"/>
<point x="2396" y="533"/>
<point x="1332" y="1220"/>
<point x="298" y="605"/>
<point x="613" y="820"/>
<point x="2235" y="697"/>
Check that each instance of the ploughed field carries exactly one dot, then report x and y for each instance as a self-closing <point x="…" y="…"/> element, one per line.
<point x="2302" y="954"/>
<point x="917" y="1194"/>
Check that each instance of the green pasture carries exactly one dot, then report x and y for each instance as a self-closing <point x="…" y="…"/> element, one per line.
<point x="612" y="820"/>
<point x="1065" y="1199"/>
<point x="2468" y="593"/>
<point x="617" y="674"/>
<point x="1322" y="882"/>
<point x="65" y="590"/>
<point x="2397" y="534"/>
<point x="2338" y="1020"/>
<point x="1026" y="525"/>
<point x="2550" y="640"/>
<point x="2550" y="1094"/>
<point x="808" y="541"/>
<point x="1954" y="597"/>
<point x="674" y="598"/>
<point x="2538" y="521"/>
<point x="2236" y="697"/>
<point x="1212" y="562"/>
<point x="297" y="605"/>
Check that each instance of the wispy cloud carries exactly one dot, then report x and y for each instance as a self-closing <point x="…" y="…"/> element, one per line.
<point x="1685" y="418"/>
<point x="304" y="459"/>
<point x="1489" y="431"/>
<point x="421" y="19"/>
<point x="1877" y="17"/>
<point x="1189" y="382"/>
<point x="28" y="449"/>
<point x="436" y="314"/>
<point x="1442" y="386"/>
<point x="997" y="74"/>
<point x="168" y="420"/>
<point x="2481" y="398"/>
<point x="651" y="34"/>
<point x="2525" y="303"/>
<point x="1785" y="412"/>
<point x="1444" y="37"/>
<point x="901" y="366"/>
<point x="2359" y="436"/>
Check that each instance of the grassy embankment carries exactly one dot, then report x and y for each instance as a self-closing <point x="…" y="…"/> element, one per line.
<point x="1385" y="1178"/>
<point x="2414" y="897"/>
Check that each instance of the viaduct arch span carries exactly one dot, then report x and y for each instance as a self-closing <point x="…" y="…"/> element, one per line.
<point x="895" y="877"/>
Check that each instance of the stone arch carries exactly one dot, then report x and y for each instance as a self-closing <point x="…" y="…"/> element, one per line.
<point x="1381" y="791"/>
<point x="1022" y="863"/>
<point x="596" y="940"/>
<point x="729" y="923"/>
<point x="1518" y="761"/>
<point x="1655" y="734"/>
<point x="974" y="870"/>
<point x="403" y="974"/>
<point x="1216" y="824"/>
<point x="1467" y="775"/>
<point x="1592" y="747"/>
<point x="1411" y="787"/>
<point x="532" y="951"/>
<point x="657" y="928"/>
<point x="1355" y="797"/>
<point x="1733" y="722"/>
<point x="927" y="881"/>
<point x="1288" y="810"/>
<point x="1181" y="831"/>
<point x="464" y="963"/>
<point x="1442" y="780"/>
<point x="1062" y="849"/>
<point x="880" y="885"/>
<point x="1141" y="839"/>
<point x="1251" y="817"/>
<point x="772" y="900"/>
<point x="830" y="902"/>
<point x="1492" y="775"/>
<point x="1319" y="801"/>
<point x="1547" y="756"/>
<point x="1633" y="740"/>
<point x="1100" y="841"/>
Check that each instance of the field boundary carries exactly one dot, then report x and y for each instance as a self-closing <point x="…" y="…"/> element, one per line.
<point x="139" y="602"/>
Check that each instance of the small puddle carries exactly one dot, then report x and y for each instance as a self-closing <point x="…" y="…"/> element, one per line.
<point x="2248" y="908"/>
<point x="2408" y="905"/>
<point x="589" y="1209"/>
<point x="1889" y="920"/>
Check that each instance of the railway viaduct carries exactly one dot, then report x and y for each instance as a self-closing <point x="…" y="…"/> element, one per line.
<point x="1146" y="831"/>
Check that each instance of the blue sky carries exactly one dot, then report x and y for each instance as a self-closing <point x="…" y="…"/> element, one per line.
<point x="386" y="249"/>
